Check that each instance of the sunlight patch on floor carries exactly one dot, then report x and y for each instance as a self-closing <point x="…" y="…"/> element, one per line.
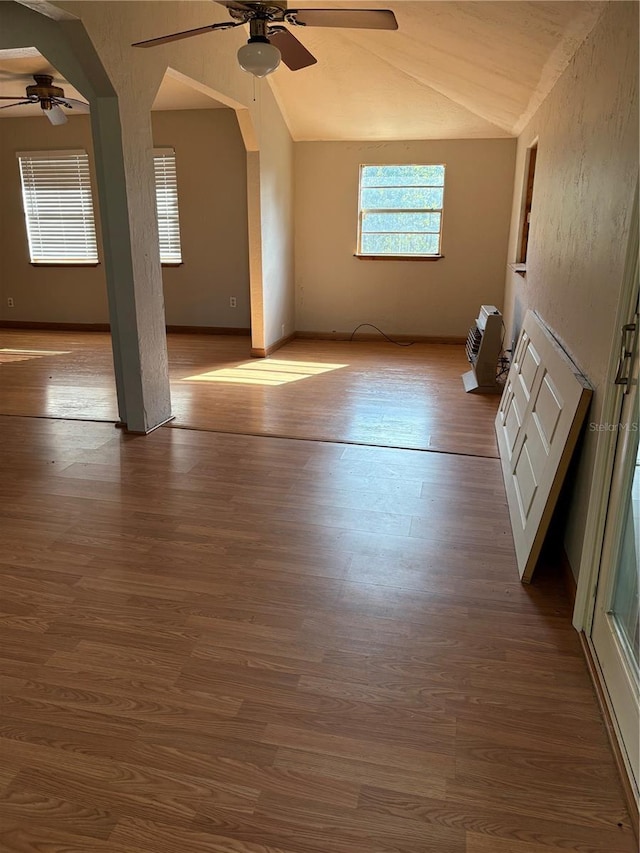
<point x="7" y="356"/>
<point x="270" y="371"/>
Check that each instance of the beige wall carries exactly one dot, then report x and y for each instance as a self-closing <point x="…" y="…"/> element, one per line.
<point x="211" y="168"/>
<point x="336" y="292"/>
<point x="586" y="172"/>
<point x="51" y="294"/>
<point x="212" y="186"/>
<point x="277" y="192"/>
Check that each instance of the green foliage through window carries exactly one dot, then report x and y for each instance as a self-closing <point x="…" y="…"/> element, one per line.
<point x="401" y="210"/>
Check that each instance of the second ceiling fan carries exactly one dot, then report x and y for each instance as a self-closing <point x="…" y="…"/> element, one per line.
<point x="270" y="41"/>
<point x="51" y="99"/>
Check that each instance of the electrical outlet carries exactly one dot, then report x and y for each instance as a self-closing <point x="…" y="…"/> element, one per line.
<point x="10" y="302"/>
<point x="282" y="329"/>
<point x="233" y="302"/>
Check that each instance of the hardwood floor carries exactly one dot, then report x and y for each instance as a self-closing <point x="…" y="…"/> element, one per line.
<point x="366" y="393"/>
<point x="240" y="644"/>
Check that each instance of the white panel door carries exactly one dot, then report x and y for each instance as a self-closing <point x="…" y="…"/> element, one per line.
<point x="541" y="412"/>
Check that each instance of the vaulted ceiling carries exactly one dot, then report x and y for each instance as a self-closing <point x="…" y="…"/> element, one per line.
<point x="452" y="70"/>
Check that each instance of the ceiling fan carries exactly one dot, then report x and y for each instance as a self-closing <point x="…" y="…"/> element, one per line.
<point x="270" y="41"/>
<point x="51" y="99"/>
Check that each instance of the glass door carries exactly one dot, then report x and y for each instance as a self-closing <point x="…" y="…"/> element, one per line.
<point x="615" y="633"/>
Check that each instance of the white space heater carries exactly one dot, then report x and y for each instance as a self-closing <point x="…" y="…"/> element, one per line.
<point x="484" y="343"/>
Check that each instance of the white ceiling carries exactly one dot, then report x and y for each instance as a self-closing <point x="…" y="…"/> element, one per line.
<point x="452" y="70"/>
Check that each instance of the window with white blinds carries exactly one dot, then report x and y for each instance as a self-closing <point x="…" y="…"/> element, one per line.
<point x="58" y="207"/>
<point x="164" y="163"/>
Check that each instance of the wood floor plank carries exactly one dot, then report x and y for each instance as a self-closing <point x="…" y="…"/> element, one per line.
<point x="192" y="752"/>
<point x="21" y="838"/>
<point x="365" y="749"/>
<point x="163" y="706"/>
<point x="483" y="844"/>
<point x="125" y="790"/>
<point x="23" y="805"/>
<point x="156" y="837"/>
<point x="364" y="772"/>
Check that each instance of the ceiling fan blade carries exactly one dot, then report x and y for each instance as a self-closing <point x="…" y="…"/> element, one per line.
<point x="17" y="104"/>
<point x="55" y="115"/>
<point x="78" y="106"/>
<point x="186" y="34"/>
<point x="365" y="19"/>
<point x="294" y="54"/>
<point x="13" y="98"/>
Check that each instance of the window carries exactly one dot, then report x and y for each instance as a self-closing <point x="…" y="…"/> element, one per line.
<point x="401" y="211"/>
<point x="58" y="208"/>
<point x="164" y="162"/>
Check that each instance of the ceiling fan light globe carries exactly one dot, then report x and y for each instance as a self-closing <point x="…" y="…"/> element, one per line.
<point x="259" y="58"/>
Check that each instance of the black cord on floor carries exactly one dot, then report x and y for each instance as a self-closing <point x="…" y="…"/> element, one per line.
<point x="391" y="341"/>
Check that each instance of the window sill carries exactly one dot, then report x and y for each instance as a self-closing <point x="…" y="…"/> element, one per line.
<point x="90" y="264"/>
<point x="519" y="269"/>
<point x="64" y="264"/>
<point x="398" y="257"/>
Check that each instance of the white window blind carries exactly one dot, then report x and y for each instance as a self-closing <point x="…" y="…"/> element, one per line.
<point x="164" y="162"/>
<point x="58" y="207"/>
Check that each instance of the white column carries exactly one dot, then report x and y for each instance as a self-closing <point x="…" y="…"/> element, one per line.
<point x="123" y="147"/>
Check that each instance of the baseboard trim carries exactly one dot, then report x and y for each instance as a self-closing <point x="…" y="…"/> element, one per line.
<point x="37" y="326"/>
<point x="263" y="352"/>
<point x="256" y="352"/>
<point x="208" y="330"/>
<point x="596" y="679"/>
<point x="105" y="327"/>
<point x="369" y="336"/>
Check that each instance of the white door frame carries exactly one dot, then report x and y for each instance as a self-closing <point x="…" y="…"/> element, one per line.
<point x="606" y="447"/>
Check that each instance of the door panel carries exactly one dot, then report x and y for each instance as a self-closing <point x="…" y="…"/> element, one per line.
<point x="525" y="483"/>
<point x="538" y="423"/>
<point x="547" y="410"/>
<point x="527" y="369"/>
<point x="511" y="419"/>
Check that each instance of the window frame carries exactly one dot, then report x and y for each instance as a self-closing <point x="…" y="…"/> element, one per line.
<point x="158" y="153"/>
<point x="361" y="212"/>
<point x="527" y="201"/>
<point x="34" y="223"/>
